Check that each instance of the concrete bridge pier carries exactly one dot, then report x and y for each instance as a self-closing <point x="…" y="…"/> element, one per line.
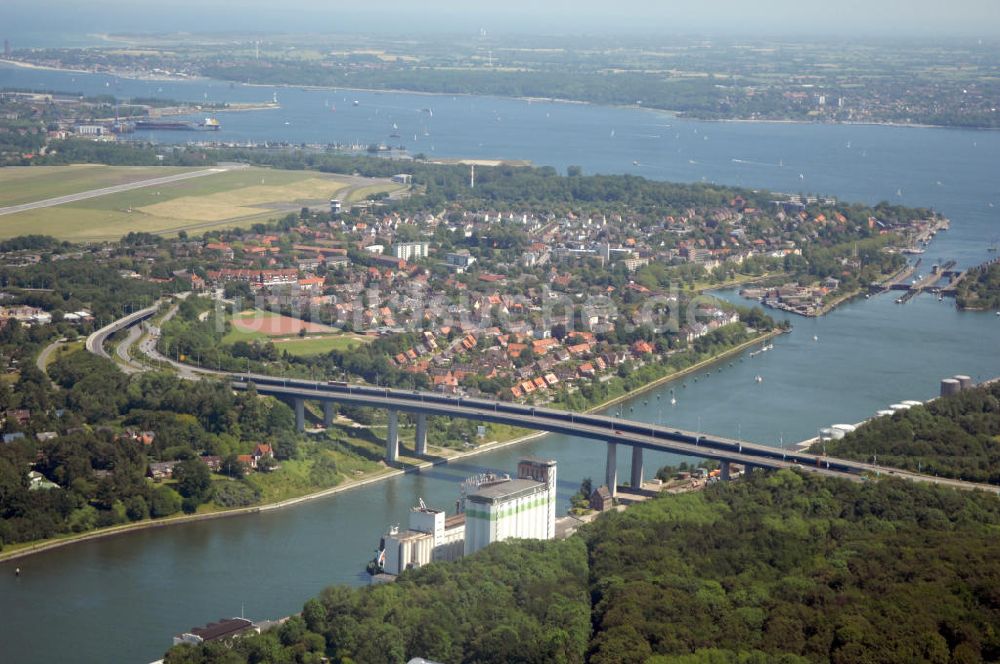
<point x="421" y="435"/>
<point x="724" y="474"/>
<point x="327" y="414"/>
<point x="392" y="438"/>
<point x="300" y="415"/>
<point x="611" y="469"/>
<point x="636" y="479"/>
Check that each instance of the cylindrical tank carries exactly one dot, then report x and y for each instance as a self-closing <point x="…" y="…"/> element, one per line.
<point x="950" y="386"/>
<point x="964" y="381"/>
<point x="885" y="412"/>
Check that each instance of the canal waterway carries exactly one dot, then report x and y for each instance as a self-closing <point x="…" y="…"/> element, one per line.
<point x="121" y="598"/>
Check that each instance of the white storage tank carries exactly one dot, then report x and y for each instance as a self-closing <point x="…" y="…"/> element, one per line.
<point x="964" y="381"/>
<point x="950" y="386"/>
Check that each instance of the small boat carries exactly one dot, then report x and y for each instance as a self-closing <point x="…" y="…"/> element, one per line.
<point x="758" y="378"/>
<point x="815" y="338"/>
<point x="356" y="102"/>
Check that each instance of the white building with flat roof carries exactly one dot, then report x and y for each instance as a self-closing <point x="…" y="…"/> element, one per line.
<point x="494" y="507"/>
<point x="408" y="251"/>
<point x="432" y="536"/>
<point x="522" y="508"/>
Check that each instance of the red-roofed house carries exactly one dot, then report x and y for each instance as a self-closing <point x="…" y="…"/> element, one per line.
<point x="642" y="347"/>
<point x="515" y="350"/>
<point x="542" y="346"/>
<point x="311" y="283"/>
<point x="262" y="450"/>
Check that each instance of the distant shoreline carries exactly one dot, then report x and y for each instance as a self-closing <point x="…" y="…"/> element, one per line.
<point x="553" y="100"/>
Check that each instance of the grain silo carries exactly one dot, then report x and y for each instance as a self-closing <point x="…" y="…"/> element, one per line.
<point x="950" y="386"/>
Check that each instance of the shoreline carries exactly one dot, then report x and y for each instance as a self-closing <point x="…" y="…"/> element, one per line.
<point x="684" y="372"/>
<point x="48" y="545"/>
<point x="680" y="115"/>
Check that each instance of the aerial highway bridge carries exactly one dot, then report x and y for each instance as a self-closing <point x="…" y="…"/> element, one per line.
<point x="612" y="431"/>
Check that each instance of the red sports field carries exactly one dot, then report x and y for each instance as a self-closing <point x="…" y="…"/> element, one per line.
<point x="274" y="325"/>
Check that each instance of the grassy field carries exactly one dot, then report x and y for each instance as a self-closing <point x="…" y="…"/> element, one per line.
<point x="223" y="200"/>
<point x="24" y="184"/>
<point x="315" y="343"/>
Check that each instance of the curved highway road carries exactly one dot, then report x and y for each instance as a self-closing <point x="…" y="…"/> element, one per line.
<point x="95" y="342"/>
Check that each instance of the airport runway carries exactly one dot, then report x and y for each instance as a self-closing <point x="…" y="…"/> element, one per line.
<point x="117" y="189"/>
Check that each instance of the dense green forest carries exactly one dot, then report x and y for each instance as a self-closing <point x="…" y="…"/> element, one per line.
<point x="778" y="568"/>
<point x="83" y="151"/>
<point x="956" y="436"/>
<point x="100" y="473"/>
<point x="980" y="289"/>
<point x="75" y="281"/>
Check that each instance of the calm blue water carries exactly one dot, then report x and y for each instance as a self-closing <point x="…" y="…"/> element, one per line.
<point x="869" y="353"/>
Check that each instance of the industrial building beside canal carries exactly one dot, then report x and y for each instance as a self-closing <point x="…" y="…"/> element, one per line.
<point x="493" y="507"/>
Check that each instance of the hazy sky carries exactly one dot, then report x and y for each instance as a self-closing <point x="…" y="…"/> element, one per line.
<point x="966" y="18"/>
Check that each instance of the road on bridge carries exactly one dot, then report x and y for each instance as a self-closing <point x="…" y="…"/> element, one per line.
<point x="640" y="434"/>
